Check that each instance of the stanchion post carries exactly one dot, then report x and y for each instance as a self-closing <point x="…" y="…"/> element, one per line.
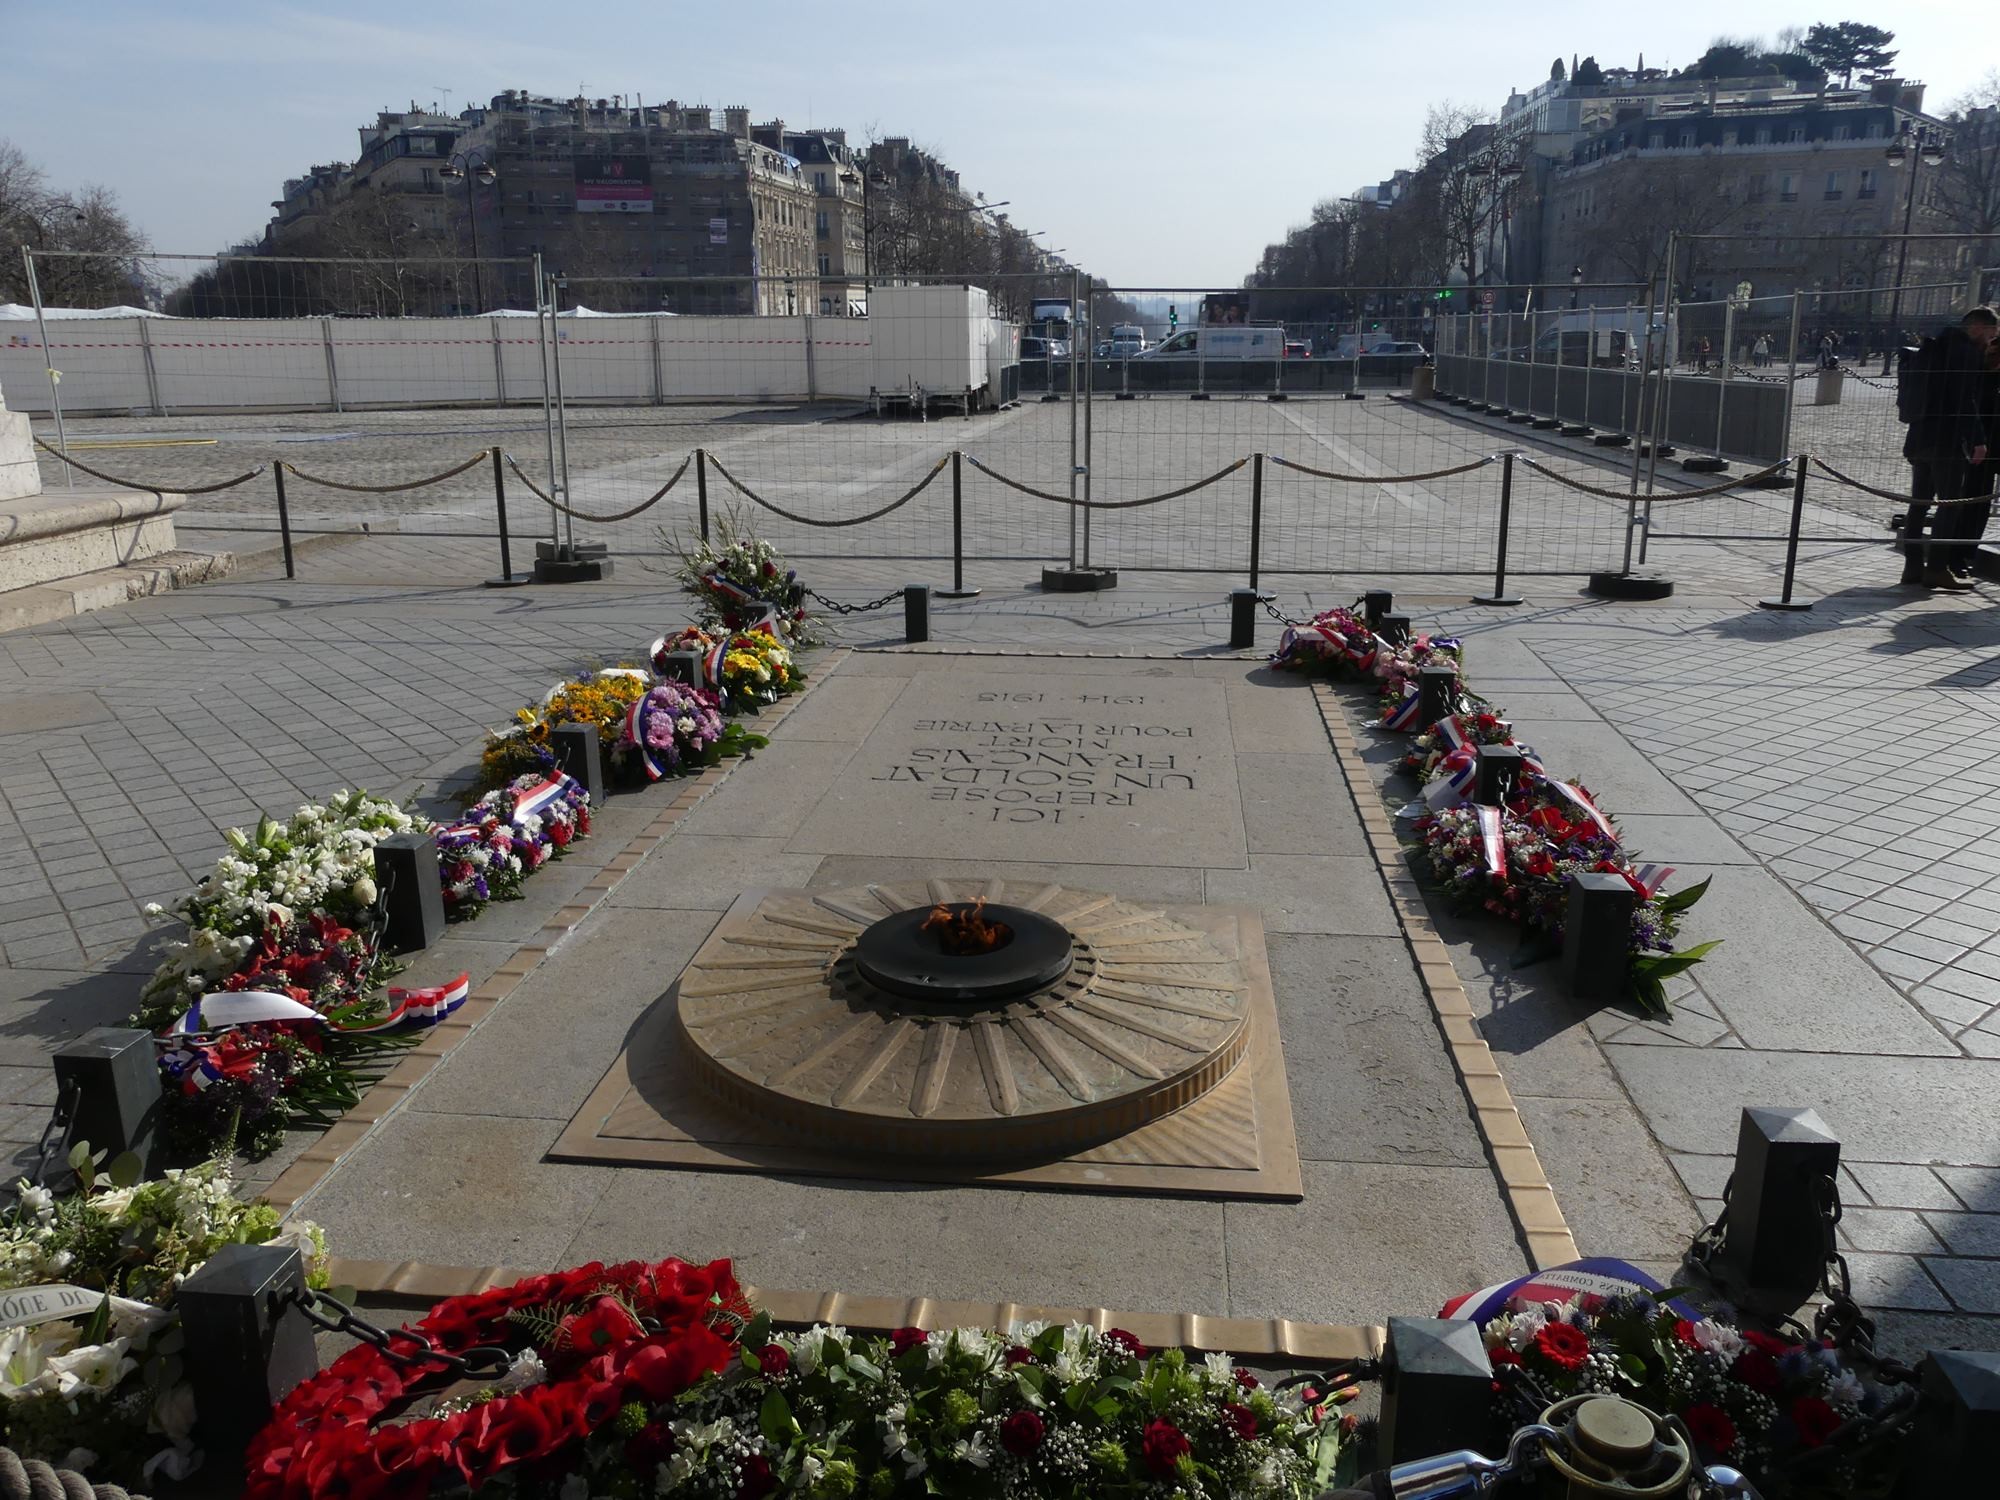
<point x="701" y="488"/>
<point x="1500" y="594"/>
<point x="115" y="1076"/>
<point x="916" y="613"/>
<point x="958" y="590"/>
<point x="284" y="517"/>
<point x="1256" y="517"/>
<point x="1437" y="689"/>
<point x="248" y="1344"/>
<point x="1785" y="600"/>
<point x="1243" y="618"/>
<point x="508" y="578"/>
<point x="1376" y="603"/>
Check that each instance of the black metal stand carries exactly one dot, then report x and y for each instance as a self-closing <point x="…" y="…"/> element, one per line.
<point x="1785" y="600"/>
<point x="1500" y="594"/>
<point x="1257" y="524"/>
<point x="507" y="578"/>
<point x="701" y="489"/>
<point x="284" y="517"/>
<point x="958" y="590"/>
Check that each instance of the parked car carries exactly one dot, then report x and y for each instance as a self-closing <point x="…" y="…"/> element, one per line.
<point x="1034" y="346"/>
<point x="1298" y="349"/>
<point x="1400" y="346"/>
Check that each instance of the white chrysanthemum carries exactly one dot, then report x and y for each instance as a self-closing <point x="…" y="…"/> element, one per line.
<point x="1724" y="1342"/>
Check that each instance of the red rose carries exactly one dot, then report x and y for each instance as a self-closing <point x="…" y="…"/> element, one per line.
<point x="1118" y="1338"/>
<point x="1815" y="1421"/>
<point x="1757" y="1370"/>
<point x="1163" y="1446"/>
<point x="1684" y="1331"/>
<point x="757" y="1480"/>
<point x="1713" y="1431"/>
<point x="1022" y="1433"/>
<point x="773" y="1361"/>
<point x="770" y="570"/>
<point x="1241" y="1419"/>
<point x="1245" y="1380"/>
<point x="903" y="1340"/>
<point x="1502" y="1355"/>
<point x="1562" y="1346"/>
<point x="1016" y="1355"/>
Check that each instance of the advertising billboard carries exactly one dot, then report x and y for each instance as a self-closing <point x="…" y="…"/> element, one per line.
<point x="614" y="185"/>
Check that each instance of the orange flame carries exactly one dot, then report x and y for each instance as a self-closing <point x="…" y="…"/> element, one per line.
<point x="963" y="933"/>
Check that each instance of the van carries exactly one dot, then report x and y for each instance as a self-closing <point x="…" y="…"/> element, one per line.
<point x="1219" y="343"/>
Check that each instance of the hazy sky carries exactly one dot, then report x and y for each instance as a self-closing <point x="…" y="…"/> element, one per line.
<point x="1159" y="143"/>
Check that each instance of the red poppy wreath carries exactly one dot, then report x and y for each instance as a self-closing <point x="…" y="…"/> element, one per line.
<point x="586" y="1341"/>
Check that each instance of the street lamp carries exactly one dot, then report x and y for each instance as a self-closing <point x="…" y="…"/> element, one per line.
<point x="473" y="167"/>
<point x="1575" y="286"/>
<point x="1916" y="145"/>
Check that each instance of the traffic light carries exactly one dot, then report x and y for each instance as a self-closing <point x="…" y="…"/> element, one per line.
<point x="1173" y="318"/>
<point x="1444" y="295"/>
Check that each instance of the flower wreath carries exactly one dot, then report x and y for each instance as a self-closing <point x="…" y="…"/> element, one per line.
<point x="585" y="1341"/>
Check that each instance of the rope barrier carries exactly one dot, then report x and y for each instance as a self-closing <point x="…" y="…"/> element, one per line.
<point x="1477" y="463"/>
<point x="1848" y="479"/>
<point x="31" y="1479"/>
<point x="152" y="489"/>
<point x="386" y="489"/>
<point x="1623" y="496"/>
<point x="583" y="515"/>
<point x="904" y="499"/>
<point x="1186" y="489"/>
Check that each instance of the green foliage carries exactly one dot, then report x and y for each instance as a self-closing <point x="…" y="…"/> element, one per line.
<point x="1848" y="47"/>
<point x="1588" y="72"/>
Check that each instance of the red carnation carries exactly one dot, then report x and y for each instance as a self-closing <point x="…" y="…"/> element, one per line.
<point x="1815" y="1421"/>
<point x="1712" y="1429"/>
<point x="1241" y="1419"/>
<point x="1757" y="1370"/>
<point x="1502" y="1355"/>
<point x="1245" y="1380"/>
<point x="1163" y="1446"/>
<point x="903" y="1340"/>
<point x="1022" y="1433"/>
<point x="1118" y="1338"/>
<point x="1684" y="1331"/>
<point x="1017" y="1355"/>
<point x="1563" y="1346"/>
<point x="757" y="1480"/>
<point x="773" y="1361"/>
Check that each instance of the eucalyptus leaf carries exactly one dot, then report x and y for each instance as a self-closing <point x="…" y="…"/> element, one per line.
<point x="125" y="1170"/>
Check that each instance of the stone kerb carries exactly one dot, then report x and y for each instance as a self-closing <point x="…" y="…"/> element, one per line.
<point x="19" y="474"/>
<point x="46" y="537"/>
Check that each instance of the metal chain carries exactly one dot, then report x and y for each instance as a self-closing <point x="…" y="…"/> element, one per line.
<point x="853" y="609"/>
<point x="1271" y="609"/>
<point x="483" y="1363"/>
<point x="61" y="1126"/>
<point x="1840" y="1320"/>
<point x="1702" y="1250"/>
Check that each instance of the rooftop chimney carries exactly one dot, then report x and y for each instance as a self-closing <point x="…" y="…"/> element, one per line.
<point x="736" y="120"/>
<point x="697" y="117"/>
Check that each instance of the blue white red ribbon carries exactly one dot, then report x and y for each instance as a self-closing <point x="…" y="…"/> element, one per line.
<point x="533" y="801"/>
<point x="1588" y="1283"/>
<point x="635" y="731"/>
<point x="225" y="1010"/>
<point x="420" y="1007"/>
<point x="1491" y="842"/>
<point x="1460" y="773"/>
<point x="1647" y="879"/>
<point x="1585" y="806"/>
<point x="1403" y="717"/>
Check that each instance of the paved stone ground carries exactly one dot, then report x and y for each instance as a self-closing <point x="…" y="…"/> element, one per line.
<point x="1825" y="767"/>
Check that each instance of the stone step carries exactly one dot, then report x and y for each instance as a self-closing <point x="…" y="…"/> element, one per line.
<point x="62" y="533"/>
<point x="40" y="603"/>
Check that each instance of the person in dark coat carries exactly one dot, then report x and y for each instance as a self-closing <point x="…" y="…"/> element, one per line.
<point x="1946" y="446"/>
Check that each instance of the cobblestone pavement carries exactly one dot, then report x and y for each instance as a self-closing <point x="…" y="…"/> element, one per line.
<point x="1827" y="768"/>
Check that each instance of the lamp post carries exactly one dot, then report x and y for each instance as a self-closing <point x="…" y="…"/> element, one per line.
<point x="1919" y="146"/>
<point x="867" y="177"/>
<point x="473" y="167"/>
<point x="1575" y="286"/>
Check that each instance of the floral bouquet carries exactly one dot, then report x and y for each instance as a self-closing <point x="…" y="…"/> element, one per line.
<point x="758" y="669"/>
<point x="678" y="728"/>
<point x="739" y="581"/>
<point x="507" y="835"/>
<point x="1339" y="643"/>
<point x="93" y="1380"/>
<point x="603" y="698"/>
<point x="1762" y="1404"/>
<point x="1475" y="727"/>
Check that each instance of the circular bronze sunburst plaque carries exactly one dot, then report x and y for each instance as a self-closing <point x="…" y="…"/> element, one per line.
<point x="1147" y="1015"/>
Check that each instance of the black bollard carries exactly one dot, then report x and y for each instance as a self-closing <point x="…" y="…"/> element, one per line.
<point x="247" y="1342"/>
<point x="1242" y="618"/>
<point x="1774" y="1241"/>
<point x="916" y="613"/>
<point x="1958" y="1425"/>
<point x="1395" y="629"/>
<point x="1437" y="1388"/>
<point x="580" y="753"/>
<point x="1375" y="604"/>
<point x="1437" y="695"/>
<point x="113" y="1075"/>
<point x="1597" y="936"/>
<point x="681" y="666"/>
<point x="1499" y="770"/>
<point x="411" y="891"/>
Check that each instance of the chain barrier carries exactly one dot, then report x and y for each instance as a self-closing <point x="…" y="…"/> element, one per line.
<point x="1625" y="496"/>
<point x="384" y="489"/>
<point x="583" y="515"/>
<point x="1186" y="489"/>
<point x="154" y="489"/>
<point x="874" y="515"/>
<point x="1477" y="463"/>
<point x="1271" y="609"/>
<point x="61" y="1126"/>
<point x="484" y="1363"/>
<point x="854" y="609"/>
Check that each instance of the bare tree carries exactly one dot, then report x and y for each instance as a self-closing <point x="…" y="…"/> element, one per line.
<point x="1645" y="202"/>
<point x="1968" y="183"/>
<point x="1456" y="195"/>
<point x="36" y="216"/>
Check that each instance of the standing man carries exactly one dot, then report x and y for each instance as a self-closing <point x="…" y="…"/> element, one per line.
<point x="1944" y="392"/>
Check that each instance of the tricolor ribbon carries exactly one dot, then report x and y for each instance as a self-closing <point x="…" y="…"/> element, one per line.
<point x="635" y="731"/>
<point x="225" y="1010"/>
<point x="1491" y="844"/>
<point x="1459" y="773"/>
<point x="1648" y="879"/>
<point x="420" y="1007"/>
<point x="1403" y="717"/>
<point x="221" y="1010"/>
<point x="1584" y="805"/>
<point x="533" y="801"/>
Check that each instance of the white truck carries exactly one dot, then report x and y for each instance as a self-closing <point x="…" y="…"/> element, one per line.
<point x="1217" y="343"/>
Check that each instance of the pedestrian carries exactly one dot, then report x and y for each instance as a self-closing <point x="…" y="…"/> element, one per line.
<point x="1828" y="360"/>
<point x="1945" y="392"/>
<point x="1703" y="351"/>
<point x="1760" y="352"/>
